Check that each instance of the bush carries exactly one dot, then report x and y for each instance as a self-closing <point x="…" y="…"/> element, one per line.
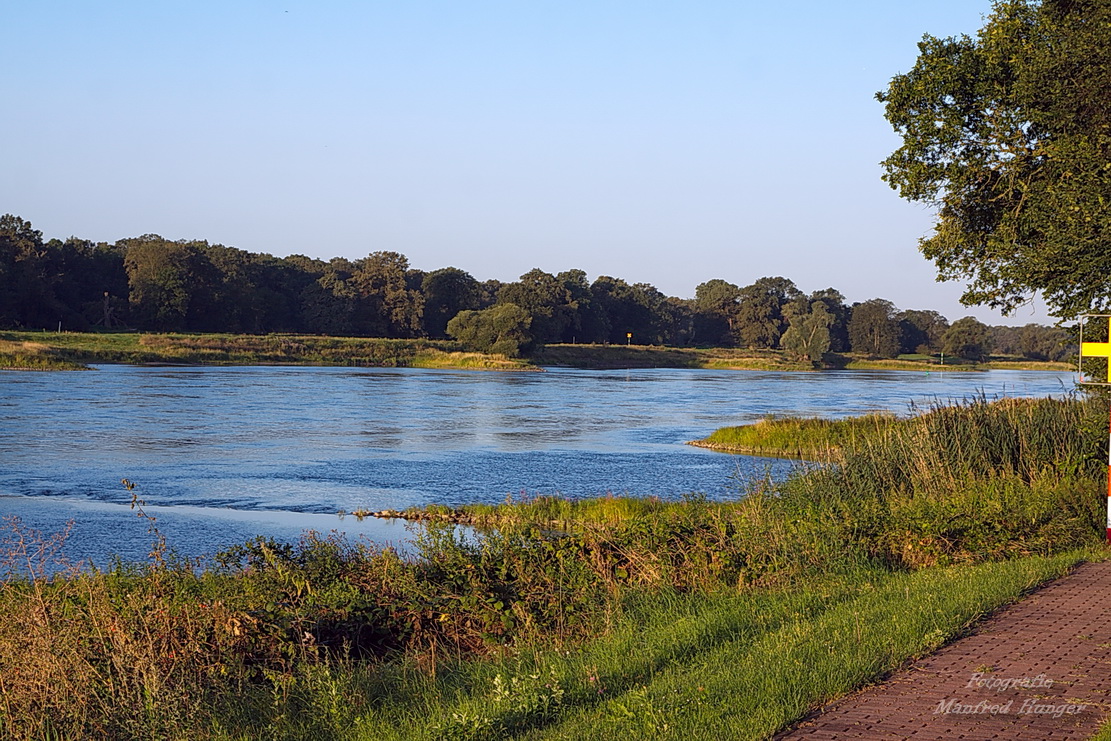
<point x="502" y="329"/>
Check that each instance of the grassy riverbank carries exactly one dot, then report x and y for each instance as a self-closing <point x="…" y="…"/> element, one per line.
<point x="826" y="440"/>
<point x="70" y="350"/>
<point x="644" y="356"/>
<point x="599" y="618"/>
<point x="601" y="357"/>
<point x="75" y="351"/>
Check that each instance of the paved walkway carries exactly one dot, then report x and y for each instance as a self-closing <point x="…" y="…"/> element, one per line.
<point x="1039" y="670"/>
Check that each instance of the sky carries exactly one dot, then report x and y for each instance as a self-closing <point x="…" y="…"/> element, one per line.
<point x="657" y="141"/>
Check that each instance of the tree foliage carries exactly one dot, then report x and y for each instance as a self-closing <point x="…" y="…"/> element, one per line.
<point x="172" y="284"/>
<point x="1008" y="135"/>
<point x="716" y="303"/>
<point x="873" y="329"/>
<point x="761" y="319"/>
<point x="1033" y="341"/>
<point x="546" y="299"/>
<point x="967" y="338"/>
<point x="834" y="302"/>
<point x="808" y="334"/>
<point x="503" y="329"/>
<point x="157" y="284"/>
<point x="388" y="306"/>
<point x="447" y="292"/>
<point x="921" y="331"/>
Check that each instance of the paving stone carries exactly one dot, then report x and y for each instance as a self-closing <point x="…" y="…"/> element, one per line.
<point x="1058" y="640"/>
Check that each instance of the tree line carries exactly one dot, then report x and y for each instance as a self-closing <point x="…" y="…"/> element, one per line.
<point x="155" y="284"/>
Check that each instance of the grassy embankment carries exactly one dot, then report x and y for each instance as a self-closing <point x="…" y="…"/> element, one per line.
<point x="632" y="618"/>
<point x="70" y="350"/>
<point x="75" y="351"/>
<point x="645" y="356"/>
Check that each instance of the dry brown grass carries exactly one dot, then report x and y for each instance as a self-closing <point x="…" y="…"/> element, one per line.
<point x="118" y="654"/>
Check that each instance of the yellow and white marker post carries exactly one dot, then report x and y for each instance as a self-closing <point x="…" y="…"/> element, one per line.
<point x="1098" y="350"/>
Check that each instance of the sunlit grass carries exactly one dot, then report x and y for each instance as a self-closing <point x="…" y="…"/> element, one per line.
<point x="750" y="686"/>
<point x="227" y="349"/>
<point x="795" y="437"/>
<point x="29" y="355"/>
<point x="673" y="665"/>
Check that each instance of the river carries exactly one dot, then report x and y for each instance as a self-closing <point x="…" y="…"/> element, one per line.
<point x="224" y="453"/>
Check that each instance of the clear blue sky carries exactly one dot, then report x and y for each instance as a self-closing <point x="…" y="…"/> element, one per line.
<point x="660" y="142"/>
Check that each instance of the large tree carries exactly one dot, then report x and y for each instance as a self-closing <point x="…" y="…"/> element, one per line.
<point x="808" y="333"/>
<point x="25" y="298"/>
<point x="760" y="317"/>
<point x="715" y="304"/>
<point x="328" y="304"/>
<point x="1008" y="135"/>
<point x="388" y="306"/>
<point x="447" y="292"/>
<point x="967" y="338"/>
<point x="503" y="328"/>
<point x="839" y="329"/>
<point x="172" y="284"/>
<point x="873" y="328"/>
<point x="921" y="330"/>
<point x="546" y="299"/>
<point x="619" y="309"/>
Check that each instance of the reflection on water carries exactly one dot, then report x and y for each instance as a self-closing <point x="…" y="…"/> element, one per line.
<point x="306" y="442"/>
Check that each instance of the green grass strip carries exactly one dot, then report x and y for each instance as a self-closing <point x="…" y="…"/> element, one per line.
<point x="750" y="689"/>
<point x="740" y="666"/>
<point x="682" y="666"/>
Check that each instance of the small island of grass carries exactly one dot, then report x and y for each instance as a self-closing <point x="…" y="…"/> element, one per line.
<point x="796" y="437"/>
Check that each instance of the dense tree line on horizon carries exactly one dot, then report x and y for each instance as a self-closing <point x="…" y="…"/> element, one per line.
<point x="155" y="284"/>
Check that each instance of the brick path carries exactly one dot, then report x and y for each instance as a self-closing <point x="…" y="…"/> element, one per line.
<point x="1059" y="639"/>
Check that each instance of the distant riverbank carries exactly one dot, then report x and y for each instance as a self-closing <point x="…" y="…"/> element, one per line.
<point x="76" y="351"/>
<point x="723" y="358"/>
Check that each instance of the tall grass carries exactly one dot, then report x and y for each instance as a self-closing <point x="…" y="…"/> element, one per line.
<point x="973" y="480"/>
<point x="33" y="356"/>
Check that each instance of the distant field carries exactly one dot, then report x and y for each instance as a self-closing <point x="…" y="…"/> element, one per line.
<point x="66" y="351"/>
<point x="647" y="356"/>
<point x="644" y="356"/>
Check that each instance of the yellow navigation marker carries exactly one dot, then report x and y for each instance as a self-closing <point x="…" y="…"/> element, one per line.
<point x="1098" y="350"/>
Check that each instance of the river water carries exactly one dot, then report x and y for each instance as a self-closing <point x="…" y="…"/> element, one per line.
<point x="221" y="454"/>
